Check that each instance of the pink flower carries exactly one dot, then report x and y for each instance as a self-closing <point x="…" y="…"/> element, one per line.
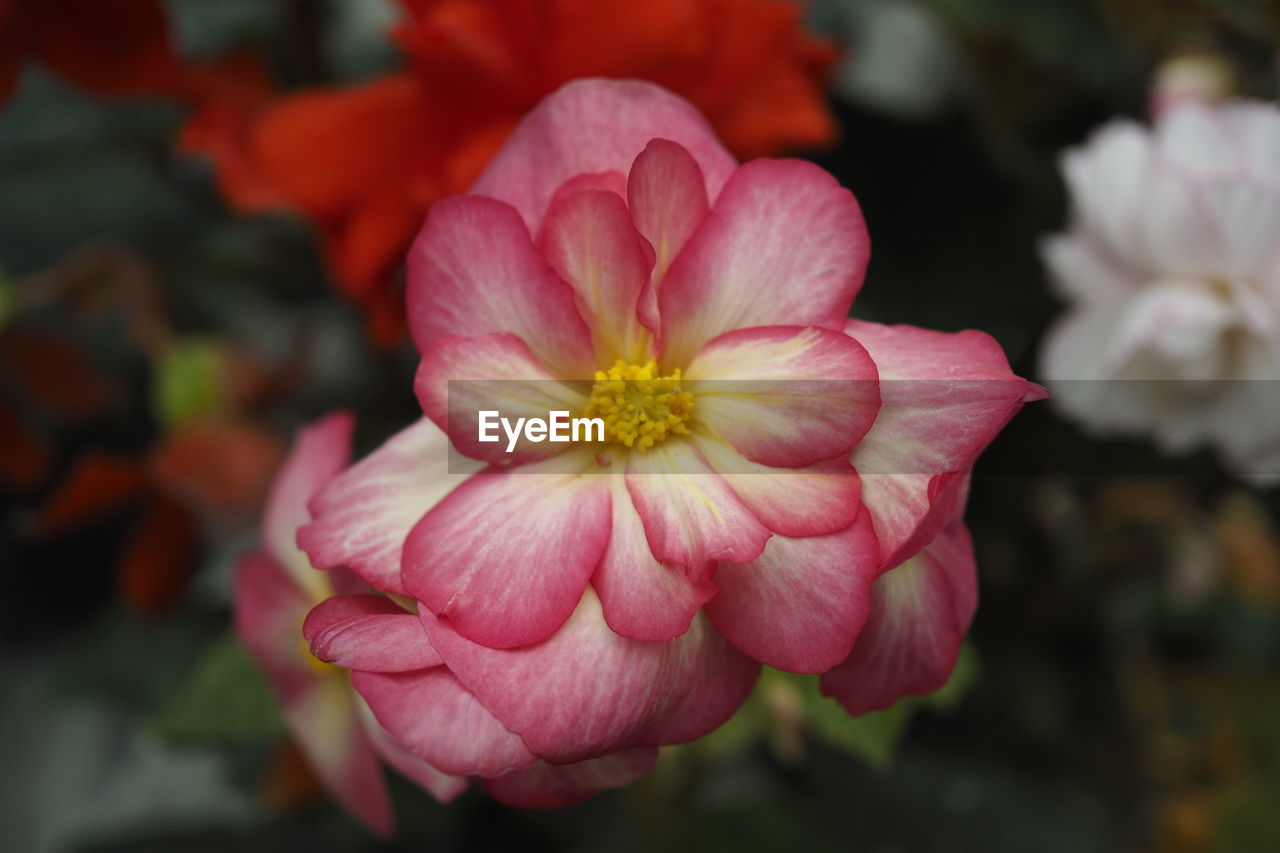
<point x="602" y="599"/>
<point x="1173" y="274"/>
<point x="274" y="590"/>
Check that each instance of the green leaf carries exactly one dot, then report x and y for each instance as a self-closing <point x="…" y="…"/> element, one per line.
<point x="874" y="737"/>
<point x="226" y="699"/>
<point x="188" y="382"/>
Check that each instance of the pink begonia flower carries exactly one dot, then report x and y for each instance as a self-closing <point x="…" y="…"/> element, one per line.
<point x="602" y="599"/>
<point x="281" y="603"/>
<point x="1173" y="271"/>
<point x="275" y="588"/>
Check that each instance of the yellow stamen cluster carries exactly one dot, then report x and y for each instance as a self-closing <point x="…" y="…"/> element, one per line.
<point x="639" y="407"/>
<point x="319" y="667"/>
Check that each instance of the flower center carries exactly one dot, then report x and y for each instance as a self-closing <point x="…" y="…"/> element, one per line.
<point x="639" y="407"/>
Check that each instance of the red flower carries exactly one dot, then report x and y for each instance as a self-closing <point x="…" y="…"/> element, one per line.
<point x="365" y="162"/>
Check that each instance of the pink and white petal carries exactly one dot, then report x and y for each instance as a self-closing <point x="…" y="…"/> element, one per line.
<point x="587" y="691"/>
<point x="785" y="396"/>
<point x="269" y="609"/>
<point x="1255" y="126"/>
<point x="473" y="270"/>
<point x="551" y="786"/>
<point x="799" y="605"/>
<point x="909" y="510"/>
<point x="668" y="201"/>
<point x="461" y="377"/>
<point x="596" y="125"/>
<point x="642" y="598"/>
<point x="589" y="240"/>
<point x="505" y="557"/>
<point x="316" y="704"/>
<point x="920" y="613"/>
<point x="433" y="716"/>
<point x="612" y="182"/>
<point x="326" y="726"/>
<point x="784" y="244"/>
<point x="319" y="452"/>
<point x="439" y="784"/>
<point x="810" y="501"/>
<point x="1083" y="269"/>
<point x="691" y="517"/>
<point x="370" y="633"/>
<point x="1107" y="180"/>
<point x="364" y="515"/>
<point x="1195" y="138"/>
<point x="944" y="397"/>
<point x="1177" y="230"/>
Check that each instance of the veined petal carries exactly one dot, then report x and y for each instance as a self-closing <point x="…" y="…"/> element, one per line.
<point x="319" y="452"/>
<point x="368" y="632"/>
<point x="691" y="517"/>
<point x="668" y="201"/>
<point x="433" y="716"/>
<point x="799" y="605"/>
<point x="587" y="691"/>
<point x="473" y="270"/>
<point x="505" y="557"/>
<point x="326" y="726"/>
<point x="550" y="786"/>
<point x="269" y="609"/>
<point x="944" y="397"/>
<point x="810" y="501"/>
<point x="596" y="126"/>
<point x="364" y="515"/>
<point x="785" y="396"/>
<point x="642" y="598"/>
<point x="920" y="612"/>
<point x="589" y="240"/>
<point x="439" y="784"/>
<point x="317" y="706"/>
<point x="461" y="377"/>
<point x="783" y="244"/>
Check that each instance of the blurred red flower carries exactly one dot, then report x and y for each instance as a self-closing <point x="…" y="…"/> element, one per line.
<point x="366" y="161"/>
<point x="121" y="47"/>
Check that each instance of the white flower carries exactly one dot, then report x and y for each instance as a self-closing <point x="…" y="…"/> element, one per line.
<point x="1172" y="267"/>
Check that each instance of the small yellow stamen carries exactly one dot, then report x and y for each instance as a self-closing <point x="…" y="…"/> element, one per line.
<point x="316" y="665"/>
<point x="640" y="408"/>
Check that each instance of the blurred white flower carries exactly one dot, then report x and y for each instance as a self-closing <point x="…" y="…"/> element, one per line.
<point x="1172" y="266"/>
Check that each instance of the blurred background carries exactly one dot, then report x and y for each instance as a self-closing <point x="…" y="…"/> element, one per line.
<point x="203" y="208"/>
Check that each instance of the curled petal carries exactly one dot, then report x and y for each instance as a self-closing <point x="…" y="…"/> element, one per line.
<point x="473" y="270"/>
<point x="320" y="452"/>
<point x="506" y="555"/>
<point x="783" y="244"/>
<point x="590" y="242"/>
<point x="801" y="603"/>
<point x="944" y="397"/>
<point x="642" y="598"/>
<point x="595" y="125"/>
<point x="587" y="691"/>
<point x="433" y="716"/>
<point x="691" y="517"/>
<point x="364" y="515"/>
<point x="785" y="396"/>
<point x="919" y="615"/>
<point x="461" y="377"/>
<point x="368" y="632"/>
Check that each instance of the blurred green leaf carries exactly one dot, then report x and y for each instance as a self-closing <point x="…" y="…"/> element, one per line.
<point x="226" y="699"/>
<point x="135" y="663"/>
<point x="188" y="382"/>
<point x="874" y="737"/>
